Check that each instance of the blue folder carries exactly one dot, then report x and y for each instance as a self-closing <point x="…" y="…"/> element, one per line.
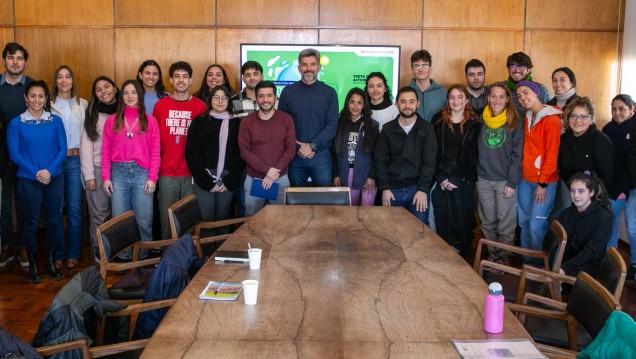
<point x="258" y="191"/>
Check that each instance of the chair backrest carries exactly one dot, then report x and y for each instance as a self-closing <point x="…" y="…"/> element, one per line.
<point x="321" y="196"/>
<point x="612" y="271"/>
<point x="184" y="216"/>
<point x="117" y="234"/>
<point x="590" y="303"/>
<point x="554" y="244"/>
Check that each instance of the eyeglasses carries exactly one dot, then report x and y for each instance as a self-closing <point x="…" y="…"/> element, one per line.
<point x="421" y="67"/>
<point x="220" y="98"/>
<point x="518" y="67"/>
<point x="574" y="116"/>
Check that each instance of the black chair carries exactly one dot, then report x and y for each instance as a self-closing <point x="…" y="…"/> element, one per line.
<point x="572" y="325"/>
<point x="551" y="254"/>
<point x="318" y="196"/>
<point x="113" y="237"/>
<point x="185" y="218"/>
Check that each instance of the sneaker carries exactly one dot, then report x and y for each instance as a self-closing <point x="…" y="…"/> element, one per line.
<point x="6" y="255"/>
<point x="631" y="273"/>
<point x="23" y="257"/>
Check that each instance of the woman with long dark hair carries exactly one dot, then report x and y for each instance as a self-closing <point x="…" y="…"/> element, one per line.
<point x="457" y="130"/>
<point x="213" y="156"/>
<point x="130" y="160"/>
<point x="382" y="107"/>
<point x="37" y="145"/>
<point x="588" y="224"/>
<point x="103" y="103"/>
<point x="215" y="75"/>
<point x="150" y="78"/>
<point x="353" y="149"/>
<point x="72" y="110"/>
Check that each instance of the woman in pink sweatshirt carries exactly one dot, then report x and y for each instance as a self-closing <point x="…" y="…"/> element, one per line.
<point x="130" y="160"/>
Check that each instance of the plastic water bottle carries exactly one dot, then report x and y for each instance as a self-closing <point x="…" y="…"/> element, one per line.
<point x="494" y="309"/>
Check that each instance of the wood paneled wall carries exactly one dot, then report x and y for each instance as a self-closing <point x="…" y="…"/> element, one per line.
<point x="112" y="37"/>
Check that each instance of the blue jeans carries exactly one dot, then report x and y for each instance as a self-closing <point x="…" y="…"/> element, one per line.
<point x="404" y="198"/>
<point x="318" y="168"/>
<point x="128" y="193"/>
<point x="32" y="195"/>
<point x="617" y="207"/>
<point x="73" y="200"/>
<point x="630" y="223"/>
<point x="533" y="218"/>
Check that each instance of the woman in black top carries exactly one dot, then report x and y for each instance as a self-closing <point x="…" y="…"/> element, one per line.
<point x="457" y="130"/>
<point x="213" y="156"/>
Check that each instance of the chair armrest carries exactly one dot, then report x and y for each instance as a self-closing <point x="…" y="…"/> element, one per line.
<point x="538" y="312"/>
<point x="556" y="304"/>
<point x="105" y="350"/>
<point x="552" y="279"/>
<point x="155" y="244"/>
<point x="227" y="222"/>
<point x="64" y="347"/>
<point x="502" y="267"/>
<point x="141" y="307"/>
<point x="507" y="247"/>
<point x="133" y="264"/>
<point x="556" y="353"/>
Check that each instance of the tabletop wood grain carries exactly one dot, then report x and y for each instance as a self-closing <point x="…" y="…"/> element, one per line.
<point x="335" y="282"/>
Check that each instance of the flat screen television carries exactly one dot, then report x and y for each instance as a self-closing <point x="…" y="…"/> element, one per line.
<point x="342" y="66"/>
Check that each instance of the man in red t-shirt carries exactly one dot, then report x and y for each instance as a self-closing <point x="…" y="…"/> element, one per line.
<point x="174" y="114"/>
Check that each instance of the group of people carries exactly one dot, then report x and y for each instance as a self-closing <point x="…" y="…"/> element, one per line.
<point x="527" y="155"/>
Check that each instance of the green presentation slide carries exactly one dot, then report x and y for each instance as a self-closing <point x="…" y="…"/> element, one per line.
<point x="340" y="69"/>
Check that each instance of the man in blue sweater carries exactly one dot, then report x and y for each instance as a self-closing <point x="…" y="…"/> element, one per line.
<point x="12" y="85"/>
<point x="314" y="107"/>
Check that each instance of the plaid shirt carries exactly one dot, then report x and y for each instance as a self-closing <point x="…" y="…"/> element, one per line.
<point x="244" y="105"/>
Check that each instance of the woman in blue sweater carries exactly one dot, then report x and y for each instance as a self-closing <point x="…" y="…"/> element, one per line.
<point x="37" y="145"/>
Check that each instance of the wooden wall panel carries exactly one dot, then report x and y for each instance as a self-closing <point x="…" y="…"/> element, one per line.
<point x="483" y="14"/>
<point x="267" y="12"/>
<point x="89" y="52"/>
<point x="135" y="45"/>
<point x="6" y="35"/>
<point x="596" y="76"/>
<point x="574" y="14"/>
<point x="375" y="13"/>
<point x="408" y="40"/>
<point x="6" y="12"/>
<point x="164" y="12"/>
<point x="451" y="49"/>
<point x="229" y="40"/>
<point x="63" y="12"/>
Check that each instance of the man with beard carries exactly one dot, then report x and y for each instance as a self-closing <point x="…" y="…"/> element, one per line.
<point x="267" y="140"/>
<point x="245" y="101"/>
<point x="405" y="157"/>
<point x="314" y="107"/>
<point x="475" y="78"/>
<point x="519" y="69"/>
<point x="12" y="85"/>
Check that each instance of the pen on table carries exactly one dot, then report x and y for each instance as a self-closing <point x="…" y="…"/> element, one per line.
<point x="249" y="247"/>
<point x="219" y="288"/>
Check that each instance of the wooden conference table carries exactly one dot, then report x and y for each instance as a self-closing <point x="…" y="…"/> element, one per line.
<point x="335" y="282"/>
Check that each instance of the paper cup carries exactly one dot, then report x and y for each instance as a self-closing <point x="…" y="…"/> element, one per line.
<point x="250" y="291"/>
<point x="255" y="257"/>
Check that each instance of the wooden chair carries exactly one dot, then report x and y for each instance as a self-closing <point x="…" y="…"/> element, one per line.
<point x="551" y="254"/>
<point x="185" y="218"/>
<point x="113" y="237"/>
<point x="318" y="196"/>
<point x="611" y="275"/>
<point x="588" y="306"/>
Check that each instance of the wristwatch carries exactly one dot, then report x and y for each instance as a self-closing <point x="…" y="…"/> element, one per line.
<point x="313" y="146"/>
<point x="543" y="184"/>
